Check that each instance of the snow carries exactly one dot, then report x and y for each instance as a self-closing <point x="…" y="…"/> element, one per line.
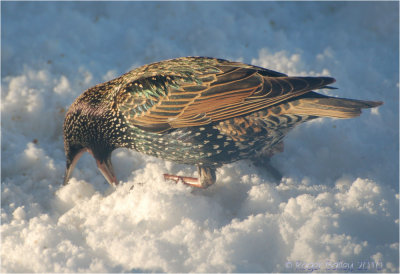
<point x="336" y="209"/>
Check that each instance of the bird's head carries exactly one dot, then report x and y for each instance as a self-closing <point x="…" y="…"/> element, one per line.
<point x="85" y="131"/>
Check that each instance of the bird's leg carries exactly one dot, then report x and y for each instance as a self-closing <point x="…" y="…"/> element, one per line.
<point x="272" y="170"/>
<point x="206" y="178"/>
<point x="264" y="160"/>
<point x="265" y="163"/>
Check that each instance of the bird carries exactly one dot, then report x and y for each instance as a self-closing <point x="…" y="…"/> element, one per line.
<point x="198" y="111"/>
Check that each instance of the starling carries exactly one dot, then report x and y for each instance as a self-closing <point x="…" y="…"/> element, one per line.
<point x="197" y="111"/>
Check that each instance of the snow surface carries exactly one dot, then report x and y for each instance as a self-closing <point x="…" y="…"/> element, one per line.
<point x="336" y="205"/>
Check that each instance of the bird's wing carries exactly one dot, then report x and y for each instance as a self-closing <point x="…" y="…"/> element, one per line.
<point x="192" y="97"/>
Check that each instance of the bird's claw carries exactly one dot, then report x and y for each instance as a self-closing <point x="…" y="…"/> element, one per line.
<point x="190" y="181"/>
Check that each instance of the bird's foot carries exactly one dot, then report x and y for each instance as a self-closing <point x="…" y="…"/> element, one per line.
<point x="190" y="181"/>
<point x="206" y="178"/>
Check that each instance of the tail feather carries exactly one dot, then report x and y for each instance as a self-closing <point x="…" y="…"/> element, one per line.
<point x="314" y="104"/>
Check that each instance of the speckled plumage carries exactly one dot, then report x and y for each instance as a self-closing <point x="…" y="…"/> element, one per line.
<point x="198" y="111"/>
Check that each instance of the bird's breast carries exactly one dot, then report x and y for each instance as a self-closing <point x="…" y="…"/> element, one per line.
<point x="213" y="144"/>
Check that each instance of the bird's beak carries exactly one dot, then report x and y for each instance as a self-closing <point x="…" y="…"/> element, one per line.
<point x="107" y="170"/>
<point x="71" y="166"/>
<point x="105" y="167"/>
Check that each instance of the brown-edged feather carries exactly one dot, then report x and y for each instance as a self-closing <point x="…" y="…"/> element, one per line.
<point x="220" y="90"/>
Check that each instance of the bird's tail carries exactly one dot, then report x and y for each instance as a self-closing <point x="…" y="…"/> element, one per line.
<point x="314" y="104"/>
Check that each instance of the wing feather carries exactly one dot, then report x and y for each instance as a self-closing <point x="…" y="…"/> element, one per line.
<point x="203" y="91"/>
